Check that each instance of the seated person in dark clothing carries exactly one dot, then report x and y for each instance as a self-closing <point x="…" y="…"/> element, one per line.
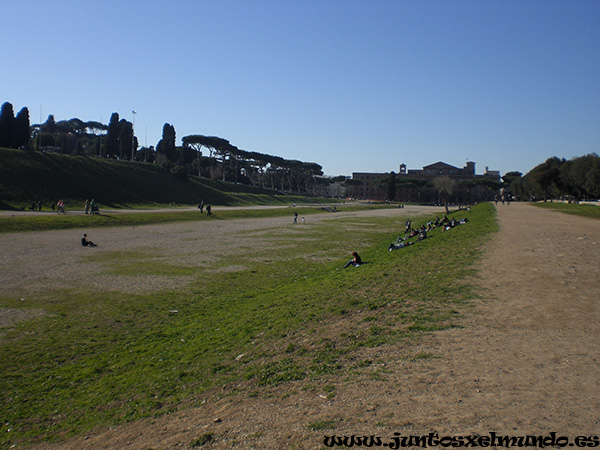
<point x="355" y="261"/>
<point x="86" y="243"/>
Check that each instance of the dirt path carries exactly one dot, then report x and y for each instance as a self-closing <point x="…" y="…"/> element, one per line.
<point x="526" y="362"/>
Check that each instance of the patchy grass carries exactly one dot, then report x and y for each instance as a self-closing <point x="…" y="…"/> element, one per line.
<point x="591" y="211"/>
<point x="324" y="424"/>
<point x="202" y="440"/>
<point x="35" y="222"/>
<point x="290" y="313"/>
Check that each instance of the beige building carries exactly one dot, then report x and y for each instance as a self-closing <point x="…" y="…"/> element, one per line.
<point x="422" y="185"/>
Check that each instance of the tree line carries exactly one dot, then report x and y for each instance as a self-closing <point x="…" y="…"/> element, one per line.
<point x="216" y="158"/>
<point x="440" y="190"/>
<point x="575" y="179"/>
<point x="206" y="156"/>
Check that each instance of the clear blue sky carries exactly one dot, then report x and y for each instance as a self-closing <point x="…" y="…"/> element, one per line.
<point x="356" y="86"/>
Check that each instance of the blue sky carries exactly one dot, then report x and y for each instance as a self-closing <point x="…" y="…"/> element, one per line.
<point x="356" y="86"/>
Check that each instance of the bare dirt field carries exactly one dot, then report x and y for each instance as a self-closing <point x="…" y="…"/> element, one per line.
<point x="525" y="363"/>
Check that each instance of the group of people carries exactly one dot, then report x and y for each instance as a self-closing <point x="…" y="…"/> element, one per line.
<point x="201" y="208"/>
<point x="421" y="232"/>
<point x="453" y="222"/>
<point x="91" y="207"/>
<point x="296" y="218"/>
<point x="504" y="198"/>
<point x="36" y="206"/>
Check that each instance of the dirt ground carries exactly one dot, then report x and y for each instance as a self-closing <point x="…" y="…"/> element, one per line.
<point x="34" y="262"/>
<point x="525" y="363"/>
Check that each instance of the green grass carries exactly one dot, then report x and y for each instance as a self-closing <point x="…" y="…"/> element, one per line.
<point x="27" y="177"/>
<point x="325" y="424"/>
<point x="202" y="440"/>
<point x="101" y="358"/>
<point x="591" y="211"/>
<point x="56" y="222"/>
<point x="36" y="222"/>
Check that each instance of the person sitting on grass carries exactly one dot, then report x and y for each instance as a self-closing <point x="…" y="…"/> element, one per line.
<point x="355" y="261"/>
<point x="450" y="224"/>
<point x="87" y="243"/>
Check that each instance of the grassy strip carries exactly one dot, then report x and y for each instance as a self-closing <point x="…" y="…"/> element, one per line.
<point x="591" y="211"/>
<point x="69" y="221"/>
<point x="270" y="314"/>
<point x="234" y="199"/>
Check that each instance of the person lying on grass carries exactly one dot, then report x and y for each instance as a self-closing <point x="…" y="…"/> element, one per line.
<point x="394" y="246"/>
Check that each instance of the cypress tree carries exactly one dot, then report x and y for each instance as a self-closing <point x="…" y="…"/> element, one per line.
<point x="112" y="137"/>
<point x="391" y="187"/>
<point x="22" y="130"/>
<point x="7" y="125"/>
<point x="166" y="145"/>
<point x="125" y="135"/>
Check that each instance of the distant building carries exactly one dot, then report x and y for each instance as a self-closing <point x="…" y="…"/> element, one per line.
<point x="422" y="185"/>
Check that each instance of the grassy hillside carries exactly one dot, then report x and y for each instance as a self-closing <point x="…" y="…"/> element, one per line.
<point x="26" y="177"/>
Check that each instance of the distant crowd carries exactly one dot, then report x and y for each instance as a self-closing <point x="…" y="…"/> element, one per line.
<point x="413" y="235"/>
<point x="421" y="232"/>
